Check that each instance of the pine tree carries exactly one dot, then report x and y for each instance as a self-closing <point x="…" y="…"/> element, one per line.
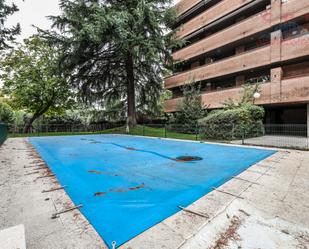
<point x="189" y="109"/>
<point x="115" y="50"/>
<point x="7" y="35"/>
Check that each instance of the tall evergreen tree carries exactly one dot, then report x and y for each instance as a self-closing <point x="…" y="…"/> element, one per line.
<point x="189" y="109"/>
<point x="115" y="50"/>
<point x="7" y="35"/>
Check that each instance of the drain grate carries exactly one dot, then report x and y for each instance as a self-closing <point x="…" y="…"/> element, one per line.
<point x="188" y="158"/>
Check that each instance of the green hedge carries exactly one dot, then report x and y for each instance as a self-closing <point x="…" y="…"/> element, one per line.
<point x="236" y="123"/>
<point x="3" y="133"/>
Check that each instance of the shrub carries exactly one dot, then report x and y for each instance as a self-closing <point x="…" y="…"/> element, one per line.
<point x="189" y="110"/>
<point x="229" y="124"/>
<point x="6" y="113"/>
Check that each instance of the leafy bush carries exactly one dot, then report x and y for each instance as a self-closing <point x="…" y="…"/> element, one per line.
<point x="229" y="124"/>
<point x="6" y="113"/>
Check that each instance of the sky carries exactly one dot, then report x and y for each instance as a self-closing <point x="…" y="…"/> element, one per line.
<point x="34" y="12"/>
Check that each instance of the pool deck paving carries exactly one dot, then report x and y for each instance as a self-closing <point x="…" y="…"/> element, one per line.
<point x="266" y="206"/>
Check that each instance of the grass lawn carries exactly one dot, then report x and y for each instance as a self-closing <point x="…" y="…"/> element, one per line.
<point x="138" y="130"/>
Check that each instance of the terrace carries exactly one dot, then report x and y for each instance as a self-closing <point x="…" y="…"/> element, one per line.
<point x="226" y="213"/>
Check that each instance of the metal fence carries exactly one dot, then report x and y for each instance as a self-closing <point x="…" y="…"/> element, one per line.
<point x="286" y="136"/>
<point x="3" y="133"/>
<point x="59" y="129"/>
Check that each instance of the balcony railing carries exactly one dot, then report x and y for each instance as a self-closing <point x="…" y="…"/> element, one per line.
<point x="217" y="11"/>
<point x="241" y="62"/>
<point x="280" y="51"/>
<point x="185" y="5"/>
<point x="291" y="90"/>
<point x="240" y="30"/>
<point x="293" y="9"/>
<point x="254" y="24"/>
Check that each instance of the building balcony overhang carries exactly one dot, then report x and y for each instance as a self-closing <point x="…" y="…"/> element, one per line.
<point x="277" y="51"/>
<point x="292" y="90"/>
<point x="255" y="24"/>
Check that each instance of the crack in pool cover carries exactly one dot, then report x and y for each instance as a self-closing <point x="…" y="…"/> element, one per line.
<point x="181" y="159"/>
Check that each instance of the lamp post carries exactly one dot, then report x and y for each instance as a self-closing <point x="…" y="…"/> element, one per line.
<point x="256" y="96"/>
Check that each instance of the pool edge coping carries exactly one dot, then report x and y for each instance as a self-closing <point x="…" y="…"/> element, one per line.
<point x="181" y="212"/>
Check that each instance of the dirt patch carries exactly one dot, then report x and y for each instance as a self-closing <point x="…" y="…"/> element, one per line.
<point x="95" y="142"/>
<point x="91" y="141"/>
<point x="95" y="172"/>
<point x="118" y="190"/>
<point x="229" y="234"/>
<point x="122" y="190"/>
<point x="130" y="148"/>
<point x="183" y="159"/>
<point x="303" y="240"/>
<point x="97" y="194"/>
<point x="138" y="187"/>
<point x="38" y="162"/>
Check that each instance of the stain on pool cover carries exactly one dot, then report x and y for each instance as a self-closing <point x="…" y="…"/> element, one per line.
<point x="188" y="158"/>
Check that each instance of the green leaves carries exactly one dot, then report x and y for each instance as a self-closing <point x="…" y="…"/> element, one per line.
<point x="190" y="108"/>
<point x="96" y="38"/>
<point x="6" y="113"/>
<point x="32" y="79"/>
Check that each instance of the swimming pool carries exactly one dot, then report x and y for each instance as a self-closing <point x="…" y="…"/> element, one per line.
<point x="128" y="184"/>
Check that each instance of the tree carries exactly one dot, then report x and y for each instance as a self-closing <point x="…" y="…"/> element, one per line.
<point x="115" y="50"/>
<point x="237" y="118"/>
<point x="189" y="109"/>
<point x="32" y="79"/>
<point x="6" y="113"/>
<point x="7" y="35"/>
<point x="248" y="90"/>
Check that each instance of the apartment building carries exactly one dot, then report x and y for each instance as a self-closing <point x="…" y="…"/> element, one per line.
<point x="232" y="42"/>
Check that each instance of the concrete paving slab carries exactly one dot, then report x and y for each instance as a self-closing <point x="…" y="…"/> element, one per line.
<point x="13" y="238"/>
<point x="22" y="201"/>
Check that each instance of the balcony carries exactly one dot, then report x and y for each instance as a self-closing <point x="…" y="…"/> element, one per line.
<point x="245" y="61"/>
<point x="217" y="11"/>
<point x="171" y="105"/>
<point x="252" y="25"/>
<point x="295" y="47"/>
<point x="185" y="5"/>
<point x="293" y="90"/>
<point x="286" y="50"/>
<point x="241" y="30"/>
<point x="293" y="9"/>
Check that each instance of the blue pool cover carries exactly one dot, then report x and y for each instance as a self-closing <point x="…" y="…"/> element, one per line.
<point x="128" y="184"/>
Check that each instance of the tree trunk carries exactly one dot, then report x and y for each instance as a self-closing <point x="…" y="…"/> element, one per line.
<point x="35" y="116"/>
<point x="131" y="119"/>
<point x="30" y="122"/>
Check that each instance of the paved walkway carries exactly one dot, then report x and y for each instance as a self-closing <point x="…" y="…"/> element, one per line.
<point x="22" y="202"/>
<point x="13" y="237"/>
<point x="265" y="207"/>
